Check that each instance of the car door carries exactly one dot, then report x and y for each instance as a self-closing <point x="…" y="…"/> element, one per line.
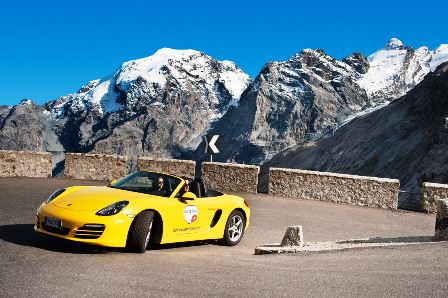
<point x="191" y="218"/>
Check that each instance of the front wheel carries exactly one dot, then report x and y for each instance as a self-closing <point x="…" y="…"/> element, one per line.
<point x="234" y="229"/>
<point x="140" y="232"/>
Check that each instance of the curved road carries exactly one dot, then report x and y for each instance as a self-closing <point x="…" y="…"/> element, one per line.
<point x="40" y="266"/>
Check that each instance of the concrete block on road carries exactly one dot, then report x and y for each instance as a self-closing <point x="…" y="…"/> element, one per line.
<point x="293" y="237"/>
<point x="292" y="242"/>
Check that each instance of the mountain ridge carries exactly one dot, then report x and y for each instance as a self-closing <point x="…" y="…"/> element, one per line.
<point x="162" y="105"/>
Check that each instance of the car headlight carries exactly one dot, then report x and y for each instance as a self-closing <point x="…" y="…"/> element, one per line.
<point x="113" y="208"/>
<point x="55" y="195"/>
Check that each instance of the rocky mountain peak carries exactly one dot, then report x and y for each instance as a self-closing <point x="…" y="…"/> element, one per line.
<point x="394" y="43"/>
<point x="310" y="55"/>
<point x="396" y="68"/>
<point x="290" y="102"/>
<point x="358" y="62"/>
<point x="184" y="66"/>
<point x="161" y="104"/>
<point x="89" y="86"/>
<point x="26" y="102"/>
<point x="139" y="82"/>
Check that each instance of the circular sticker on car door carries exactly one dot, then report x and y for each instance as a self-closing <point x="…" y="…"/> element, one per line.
<point x="190" y="213"/>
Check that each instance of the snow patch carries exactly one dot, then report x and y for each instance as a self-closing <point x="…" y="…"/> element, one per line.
<point x="439" y="56"/>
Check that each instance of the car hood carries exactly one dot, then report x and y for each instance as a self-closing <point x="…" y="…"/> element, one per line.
<point x="92" y="198"/>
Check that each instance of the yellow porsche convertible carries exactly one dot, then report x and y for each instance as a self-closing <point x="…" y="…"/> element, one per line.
<point x="141" y="209"/>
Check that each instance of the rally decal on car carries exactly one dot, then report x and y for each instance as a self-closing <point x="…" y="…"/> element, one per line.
<point x="176" y="230"/>
<point x="190" y="213"/>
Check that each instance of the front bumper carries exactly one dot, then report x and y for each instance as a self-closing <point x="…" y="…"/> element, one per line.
<point x="85" y="226"/>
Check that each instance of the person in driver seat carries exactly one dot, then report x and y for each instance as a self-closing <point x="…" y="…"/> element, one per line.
<point x="160" y="191"/>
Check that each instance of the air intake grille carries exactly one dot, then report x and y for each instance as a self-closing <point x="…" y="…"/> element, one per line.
<point x="90" y="231"/>
<point x="60" y="231"/>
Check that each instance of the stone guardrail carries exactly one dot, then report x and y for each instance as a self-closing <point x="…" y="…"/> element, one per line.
<point x="441" y="230"/>
<point x="431" y="193"/>
<point x="25" y="164"/>
<point x="331" y="187"/>
<point x="227" y="176"/>
<point x="182" y="168"/>
<point x="95" y="166"/>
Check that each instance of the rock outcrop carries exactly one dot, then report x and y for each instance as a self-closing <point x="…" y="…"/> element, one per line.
<point x="291" y="102"/>
<point x="26" y="126"/>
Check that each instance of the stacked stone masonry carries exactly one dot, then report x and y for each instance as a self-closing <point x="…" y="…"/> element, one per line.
<point x="95" y="166"/>
<point x="441" y="233"/>
<point x="25" y="164"/>
<point x="337" y="188"/>
<point x="182" y="168"/>
<point x="230" y="177"/>
<point x="431" y="193"/>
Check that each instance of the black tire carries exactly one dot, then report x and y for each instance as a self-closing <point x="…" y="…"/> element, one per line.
<point x="228" y="239"/>
<point x="140" y="232"/>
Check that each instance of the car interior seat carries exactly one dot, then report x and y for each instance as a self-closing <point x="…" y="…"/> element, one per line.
<point x="195" y="188"/>
<point x="168" y="186"/>
<point x="202" y="191"/>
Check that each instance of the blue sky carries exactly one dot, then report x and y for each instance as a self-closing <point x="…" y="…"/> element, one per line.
<point x="51" y="48"/>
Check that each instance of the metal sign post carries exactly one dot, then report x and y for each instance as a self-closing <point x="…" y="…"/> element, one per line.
<point x="211" y="146"/>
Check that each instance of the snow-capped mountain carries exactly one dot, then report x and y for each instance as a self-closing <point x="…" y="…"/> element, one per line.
<point x="184" y="68"/>
<point x="159" y="105"/>
<point x="289" y="102"/>
<point x="308" y="97"/>
<point x="162" y="105"/>
<point x="396" y="68"/>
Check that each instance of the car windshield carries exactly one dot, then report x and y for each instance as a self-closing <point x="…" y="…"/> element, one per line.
<point x="148" y="183"/>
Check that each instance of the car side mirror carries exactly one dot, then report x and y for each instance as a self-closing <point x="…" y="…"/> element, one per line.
<point x="189" y="196"/>
<point x="113" y="182"/>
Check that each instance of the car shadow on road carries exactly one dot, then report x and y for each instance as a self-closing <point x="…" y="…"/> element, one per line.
<point x="183" y="244"/>
<point x="24" y="235"/>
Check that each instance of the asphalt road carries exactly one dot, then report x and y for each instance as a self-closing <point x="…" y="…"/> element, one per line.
<point x="40" y="266"/>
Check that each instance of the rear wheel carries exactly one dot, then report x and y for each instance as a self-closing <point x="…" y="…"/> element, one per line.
<point x="234" y="229"/>
<point x="140" y="232"/>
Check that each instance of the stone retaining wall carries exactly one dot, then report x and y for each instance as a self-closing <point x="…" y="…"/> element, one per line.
<point x="171" y="166"/>
<point x="233" y="177"/>
<point x="337" y="188"/>
<point x="431" y="193"/>
<point x="441" y="231"/>
<point x="25" y="164"/>
<point x="95" y="166"/>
